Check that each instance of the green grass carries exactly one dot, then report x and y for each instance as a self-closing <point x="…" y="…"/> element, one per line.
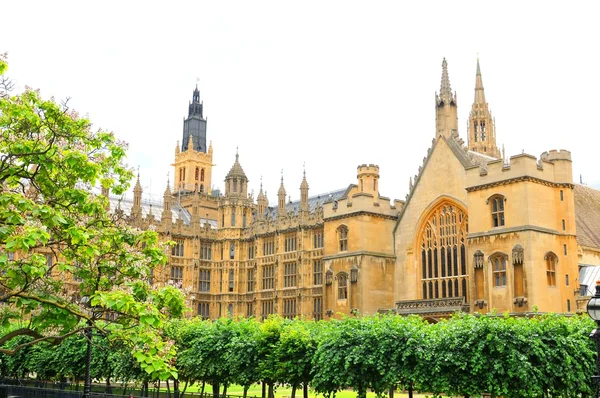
<point x="285" y="392"/>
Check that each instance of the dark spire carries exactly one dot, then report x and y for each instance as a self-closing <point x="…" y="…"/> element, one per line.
<point x="195" y="124"/>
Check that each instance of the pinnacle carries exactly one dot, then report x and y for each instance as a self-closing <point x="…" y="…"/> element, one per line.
<point x="445" y="90"/>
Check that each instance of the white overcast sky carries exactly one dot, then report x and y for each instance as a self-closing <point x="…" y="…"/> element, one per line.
<point x="331" y="83"/>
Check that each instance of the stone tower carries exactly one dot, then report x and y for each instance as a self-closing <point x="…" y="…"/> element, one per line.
<point x="261" y="203"/>
<point x="195" y="125"/>
<point x="446" y="118"/>
<point x="193" y="163"/>
<point x="481" y="127"/>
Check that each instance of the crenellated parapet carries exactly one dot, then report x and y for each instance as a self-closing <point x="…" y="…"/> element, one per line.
<point x="553" y="167"/>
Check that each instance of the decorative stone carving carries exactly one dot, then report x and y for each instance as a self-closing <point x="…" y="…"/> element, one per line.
<point x="518" y="254"/>
<point x="478" y="259"/>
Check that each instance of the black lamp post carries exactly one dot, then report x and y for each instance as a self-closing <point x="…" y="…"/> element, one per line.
<point x="593" y="310"/>
<point x="87" y="387"/>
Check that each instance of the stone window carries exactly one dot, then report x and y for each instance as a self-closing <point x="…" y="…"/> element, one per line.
<point x="177" y="274"/>
<point x="562" y="195"/>
<point x="343" y="238"/>
<point x="563" y="225"/>
<point x="443" y="254"/>
<point x="231" y="281"/>
<point x="551" y="261"/>
<point x="202" y="175"/>
<point x="318" y="241"/>
<point x="177" y="249"/>
<point x="204" y="280"/>
<point x="249" y="309"/>
<point x="232" y="251"/>
<point x="289" y="275"/>
<point x="204" y="310"/>
<point x="290" y="243"/>
<point x="205" y="251"/>
<point x="497" y="211"/>
<point x="235" y="185"/>
<point x="268" y="277"/>
<point x="318" y="308"/>
<point x="317" y="272"/>
<point x="233" y="218"/>
<point x="342" y="280"/>
<point x="289" y="308"/>
<point x="268" y="308"/>
<point x="201" y="188"/>
<point x="499" y="270"/>
<point x="244" y="219"/>
<point x="251" y="251"/>
<point x="269" y="247"/>
<point x="197" y="173"/>
<point x="250" y="282"/>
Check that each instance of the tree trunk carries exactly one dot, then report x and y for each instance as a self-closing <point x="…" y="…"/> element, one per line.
<point x="108" y="388"/>
<point x="202" y="392"/>
<point x="246" y="391"/>
<point x="294" y="390"/>
<point x="410" y="390"/>
<point x="224" y="390"/>
<point x="216" y="388"/>
<point x="391" y="392"/>
<point x="168" y="389"/>
<point x="264" y="390"/>
<point x="271" y="392"/>
<point x="145" y="389"/>
<point x="305" y="389"/>
<point x="176" y="388"/>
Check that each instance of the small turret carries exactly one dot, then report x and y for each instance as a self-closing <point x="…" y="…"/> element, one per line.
<point x="136" y="209"/>
<point x="236" y="182"/>
<point x="261" y="202"/>
<point x="368" y="179"/>
<point x="304" y="193"/>
<point x="167" y="198"/>
<point x="191" y="143"/>
<point x="281" y="210"/>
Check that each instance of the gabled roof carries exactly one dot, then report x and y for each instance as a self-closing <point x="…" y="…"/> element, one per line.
<point x="587" y="216"/>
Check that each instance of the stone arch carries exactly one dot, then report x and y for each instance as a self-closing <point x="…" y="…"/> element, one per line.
<point x="441" y="249"/>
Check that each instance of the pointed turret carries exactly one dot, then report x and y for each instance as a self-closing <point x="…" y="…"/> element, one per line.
<point x="281" y="210"/>
<point x="482" y="127"/>
<point x="136" y="209"/>
<point x="190" y="146"/>
<point x="177" y="151"/>
<point x="167" y="198"/>
<point x="304" y="193"/>
<point x="261" y="202"/>
<point x="236" y="182"/>
<point x="446" y="118"/>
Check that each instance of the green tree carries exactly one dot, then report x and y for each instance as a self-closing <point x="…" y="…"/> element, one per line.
<point x="50" y="161"/>
<point x="242" y="353"/>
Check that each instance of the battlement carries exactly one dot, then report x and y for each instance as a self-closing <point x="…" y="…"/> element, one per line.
<point x="367" y="169"/>
<point x="554" y="155"/>
<point x="546" y="168"/>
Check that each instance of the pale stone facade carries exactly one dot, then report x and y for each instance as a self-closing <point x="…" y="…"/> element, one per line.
<point x="477" y="232"/>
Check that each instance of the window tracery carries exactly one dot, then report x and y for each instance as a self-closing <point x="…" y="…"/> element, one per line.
<point x="443" y="253"/>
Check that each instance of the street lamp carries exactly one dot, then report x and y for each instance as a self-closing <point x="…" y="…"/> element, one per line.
<point x="593" y="310"/>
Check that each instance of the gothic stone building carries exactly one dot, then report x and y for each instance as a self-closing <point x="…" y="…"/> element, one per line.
<point x="477" y="232"/>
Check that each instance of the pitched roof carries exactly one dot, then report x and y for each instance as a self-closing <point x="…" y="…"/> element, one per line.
<point x="313" y="203"/>
<point x="587" y="216"/>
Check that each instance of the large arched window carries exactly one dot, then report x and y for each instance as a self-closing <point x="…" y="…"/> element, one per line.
<point x="343" y="238"/>
<point x="202" y="175"/>
<point x="443" y="256"/>
<point x="197" y="173"/>
<point x="551" y="262"/>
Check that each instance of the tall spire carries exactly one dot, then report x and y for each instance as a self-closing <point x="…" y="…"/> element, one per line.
<point x="136" y="210"/>
<point x="445" y="90"/>
<point x="479" y="93"/>
<point x="481" y="125"/>
<point x="446" y="117"/>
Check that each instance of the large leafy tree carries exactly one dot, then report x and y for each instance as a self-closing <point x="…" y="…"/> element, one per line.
<point x="65" y="262"/>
